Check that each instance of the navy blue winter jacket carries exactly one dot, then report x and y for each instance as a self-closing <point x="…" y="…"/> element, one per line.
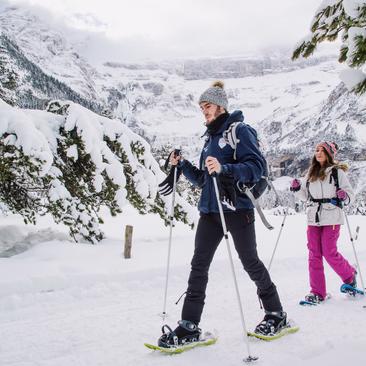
<point x="248" y="166"/>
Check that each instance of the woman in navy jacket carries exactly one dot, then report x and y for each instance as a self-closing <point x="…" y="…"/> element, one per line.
<point x="218" y="157"/>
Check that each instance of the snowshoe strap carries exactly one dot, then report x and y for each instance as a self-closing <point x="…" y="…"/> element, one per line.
<point x="170" y="336"/>
<point x="188" y="325"/>
<point x="167" y="327"/>
<point x="278" y="314"/>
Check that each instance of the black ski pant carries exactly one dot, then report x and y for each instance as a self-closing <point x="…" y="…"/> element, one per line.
<point x="208" y="236"/>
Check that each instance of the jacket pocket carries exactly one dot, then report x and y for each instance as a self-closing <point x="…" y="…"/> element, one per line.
<point x="329" y="207"/>
<point x="310" y="214"/>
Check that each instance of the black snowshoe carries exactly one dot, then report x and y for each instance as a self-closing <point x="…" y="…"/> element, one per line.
<point x="272" y="323"/>
<point x="186" y="332"/>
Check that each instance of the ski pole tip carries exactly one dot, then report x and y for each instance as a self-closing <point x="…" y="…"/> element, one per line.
<point x="163" y="315"/>
<point x="250" y="359"/>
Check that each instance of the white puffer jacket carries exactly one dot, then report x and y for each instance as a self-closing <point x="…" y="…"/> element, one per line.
<point x="329" y="214"/>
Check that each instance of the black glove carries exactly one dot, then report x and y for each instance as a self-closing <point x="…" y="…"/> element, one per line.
<point x="176" y="153"/>
<point x="227" y="191"/>
<point x="166" y="186"/>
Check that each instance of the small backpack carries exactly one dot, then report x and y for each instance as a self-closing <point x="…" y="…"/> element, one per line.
<point x="253" y="190"/>
<point x="257" y="188"/>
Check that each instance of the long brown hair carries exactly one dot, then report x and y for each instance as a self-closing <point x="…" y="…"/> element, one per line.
<point x="317" y="171"/>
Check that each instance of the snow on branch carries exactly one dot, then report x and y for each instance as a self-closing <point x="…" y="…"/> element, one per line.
<point x="69" y="161"/>
<point x="346" y="18"/>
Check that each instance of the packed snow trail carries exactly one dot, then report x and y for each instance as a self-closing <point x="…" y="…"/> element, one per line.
<point x="66" y="304"/>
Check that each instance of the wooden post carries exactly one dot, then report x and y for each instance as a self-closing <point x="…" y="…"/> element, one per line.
<point x="128" y="241"/>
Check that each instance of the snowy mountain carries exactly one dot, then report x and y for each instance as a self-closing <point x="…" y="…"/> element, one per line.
<point x="290" y="135"/>
<point x="25" y="84"/>
<point x="162" y="105"/>
<point x="341" y="118"/>
<point x="293" y="105"/>
<point x="47" y="48"/>
<point x="292" y="110"/>
<point x="66" y="304"/>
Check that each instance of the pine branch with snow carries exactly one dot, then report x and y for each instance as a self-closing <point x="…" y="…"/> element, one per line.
<point x="70" y="162"/>
<point x="346" y="18"/>
<point x="21" y="188"/>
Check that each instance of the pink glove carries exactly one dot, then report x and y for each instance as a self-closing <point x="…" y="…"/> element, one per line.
<point x="342" y="195"/>
<point x="295" y="185"/>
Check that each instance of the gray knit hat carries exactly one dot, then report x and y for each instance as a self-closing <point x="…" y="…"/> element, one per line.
<point x="215" y="95"/>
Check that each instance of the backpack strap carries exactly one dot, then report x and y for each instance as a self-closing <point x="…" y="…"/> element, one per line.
<point x="230" y="136"/>
<point x="308" y="190"/>
<point x="232" y="139"/>
<point x="334" y="176"/>
<point x="246" y="190"/>
<point x="312" y="199"/>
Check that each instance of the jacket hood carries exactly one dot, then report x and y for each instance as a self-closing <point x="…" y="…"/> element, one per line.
<point x="236" y="116"/>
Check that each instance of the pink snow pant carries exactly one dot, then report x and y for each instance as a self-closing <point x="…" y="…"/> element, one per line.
<point x="322" y="242"/>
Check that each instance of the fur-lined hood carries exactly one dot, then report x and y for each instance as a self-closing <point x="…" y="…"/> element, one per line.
<point x="338" y="165"/>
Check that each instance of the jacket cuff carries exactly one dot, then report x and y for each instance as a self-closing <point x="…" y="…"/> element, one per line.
<point x="184" y="164"/>
<point x="225" y="170"/>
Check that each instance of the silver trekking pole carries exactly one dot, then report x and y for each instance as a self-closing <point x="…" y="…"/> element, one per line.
<point x="171" y="218"/>
<point x="282" y="226"/>
<point x="277" y="241"/>
<point x="354" y="252"/>
<point x="222" y="217"/>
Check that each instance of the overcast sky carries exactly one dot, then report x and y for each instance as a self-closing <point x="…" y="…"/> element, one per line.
<point x="157" y="29"/>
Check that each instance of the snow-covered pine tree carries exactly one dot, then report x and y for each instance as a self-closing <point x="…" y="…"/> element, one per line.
<point x="69" y="162"/>
<point x="346" y="18"/>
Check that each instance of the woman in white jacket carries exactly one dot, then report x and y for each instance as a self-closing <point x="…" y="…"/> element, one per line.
<point x="325" y="197"/>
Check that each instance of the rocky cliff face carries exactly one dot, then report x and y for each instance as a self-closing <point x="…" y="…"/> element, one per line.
<point x="293" y="106"/>
<point x="340" y="118"/>
<point x="25" y="84"/>
<point x="48" y="49"/>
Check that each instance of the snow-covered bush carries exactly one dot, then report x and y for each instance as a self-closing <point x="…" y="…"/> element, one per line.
<point x="69" y="161"/>
<point x="347" y="18"/>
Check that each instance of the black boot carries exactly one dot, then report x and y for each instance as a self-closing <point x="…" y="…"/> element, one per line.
<point x="186" y="332"/>
<point x="272" y="323"/>
<point x="314" y="298"/>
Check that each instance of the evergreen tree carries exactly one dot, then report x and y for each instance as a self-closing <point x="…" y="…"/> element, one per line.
<point x="73" y="163"/>
<point x="346" y="18"/>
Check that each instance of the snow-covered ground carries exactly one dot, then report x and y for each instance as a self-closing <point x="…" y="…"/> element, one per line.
<point x="67" y="304"/>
